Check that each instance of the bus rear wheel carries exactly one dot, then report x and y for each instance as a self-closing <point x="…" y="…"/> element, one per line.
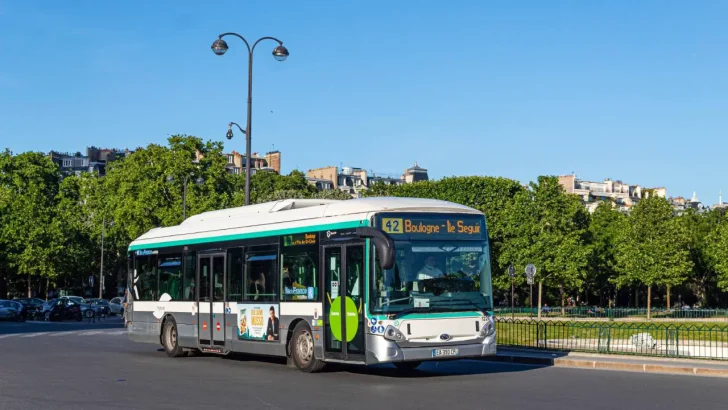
<point x="301" y="348"/>
<point x="169" y="339"/>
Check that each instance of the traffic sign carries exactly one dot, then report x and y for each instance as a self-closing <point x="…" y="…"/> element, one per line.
<point x="511" y="271"/>
<point x="530" y="273"/>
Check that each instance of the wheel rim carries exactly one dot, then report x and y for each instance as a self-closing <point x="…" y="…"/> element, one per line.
<point x="172" y="337"/>
<point x="304" y="347"/>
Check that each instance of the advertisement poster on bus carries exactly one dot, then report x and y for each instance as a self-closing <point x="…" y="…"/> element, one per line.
<point x="258" y="322"/>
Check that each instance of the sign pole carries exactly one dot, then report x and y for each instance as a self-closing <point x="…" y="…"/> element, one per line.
<point x="530" y="274"/>
<point x="539" y="299"/>
<point x="530" y="298"/>
<point x="512" y="274"/>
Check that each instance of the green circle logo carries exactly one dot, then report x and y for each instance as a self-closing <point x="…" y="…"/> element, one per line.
<point x="351" y="317"/>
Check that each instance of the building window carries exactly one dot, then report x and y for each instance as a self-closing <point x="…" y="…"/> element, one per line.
<point x="230" y="159"/>
<point x="67" y="163"/>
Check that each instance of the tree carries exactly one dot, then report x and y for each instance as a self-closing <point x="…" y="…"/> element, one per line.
<point x="548" y="228"/>
<point x="700" y="225"/>
<point x="79" y="256"/>
<point x="653" y="250"/>
<point x="605" y="228"/>
<point x="717" y="250"/>
<point x="30" y="235"/>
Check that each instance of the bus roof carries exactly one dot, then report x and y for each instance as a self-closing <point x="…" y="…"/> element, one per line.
<point x="286" y="216"/>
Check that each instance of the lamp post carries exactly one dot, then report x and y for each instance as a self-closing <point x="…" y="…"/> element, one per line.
<point x="101" y="271"/>
<point x="199" y="181"/>
<point x="280" y="53"/>
<point x="229" y="136"/>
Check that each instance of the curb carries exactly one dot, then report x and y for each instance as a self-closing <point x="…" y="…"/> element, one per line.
<point x="610" y="365"/>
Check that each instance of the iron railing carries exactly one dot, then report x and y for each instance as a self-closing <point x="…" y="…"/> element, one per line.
<point x="695" y="341"/>
<point x="615" y="313"/>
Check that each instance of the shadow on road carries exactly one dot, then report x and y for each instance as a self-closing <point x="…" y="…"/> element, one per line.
<point x="8" y="328"/>
<point x="462" y="367"/>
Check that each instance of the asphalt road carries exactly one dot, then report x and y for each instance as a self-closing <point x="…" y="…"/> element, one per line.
<point x="94" y="366"/>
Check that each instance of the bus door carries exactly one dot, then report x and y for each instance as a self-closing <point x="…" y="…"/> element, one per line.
<point x="211" y="310"/>
<point x="344" y="281"/>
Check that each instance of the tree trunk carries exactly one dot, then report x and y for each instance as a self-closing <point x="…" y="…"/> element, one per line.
<point x="3" y="287"/>
<point x="649" y="301"/>
<point x="30" y="294"/>
<point x="561" y="290"/>
<point x="669" y="306"/>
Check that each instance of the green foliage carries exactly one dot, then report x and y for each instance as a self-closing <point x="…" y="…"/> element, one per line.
<point x="548" y="228"/>
<point x="653" y="250"/>
<point x="605" y="230"/>
<point x="51" y="229"/>
<point x="717" y="250"/>
<point x="30" y="233"/>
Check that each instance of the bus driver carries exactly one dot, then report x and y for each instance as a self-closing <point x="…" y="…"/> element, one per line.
<point x="429" y="271"/>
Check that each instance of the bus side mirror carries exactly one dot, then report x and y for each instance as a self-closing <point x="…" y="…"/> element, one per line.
<point x="383" y="243"/>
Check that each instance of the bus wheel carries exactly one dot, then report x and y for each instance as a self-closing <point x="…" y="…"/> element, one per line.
<point x="407" y="366"/>
<point x="302" y="349"/>
<point x="169" y="337"/>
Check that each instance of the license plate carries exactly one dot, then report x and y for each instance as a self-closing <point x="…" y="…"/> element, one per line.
<point x="445" y="352"/>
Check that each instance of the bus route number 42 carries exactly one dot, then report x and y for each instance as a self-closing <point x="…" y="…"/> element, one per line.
<point x="392" y="225"/>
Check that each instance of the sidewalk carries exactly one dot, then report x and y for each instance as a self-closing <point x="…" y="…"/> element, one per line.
<point x="612" y="362"/>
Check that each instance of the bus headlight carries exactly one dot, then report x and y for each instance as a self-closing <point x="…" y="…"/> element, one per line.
<point x="392" y="333"/>
<point x="488" y="327"/>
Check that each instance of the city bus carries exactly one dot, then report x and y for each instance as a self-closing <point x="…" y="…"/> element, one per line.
<point x="361" y="281"/>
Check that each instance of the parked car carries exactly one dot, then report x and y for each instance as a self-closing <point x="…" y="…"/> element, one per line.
<point x="64" y="309"/>
<point x="117" y="305"/>
<point x="11" y="310"/>
<point x="32" y="307"/>
<point x="101" y="305"/>
<point x="87" y="310"/>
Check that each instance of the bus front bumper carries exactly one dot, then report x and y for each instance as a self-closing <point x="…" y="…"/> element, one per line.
<point x="380" y="350"/>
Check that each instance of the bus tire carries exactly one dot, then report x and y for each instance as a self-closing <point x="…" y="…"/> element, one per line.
<point x="301" y="349"/>
<point x="407" y="366"/>
<point x="170" y="339"/>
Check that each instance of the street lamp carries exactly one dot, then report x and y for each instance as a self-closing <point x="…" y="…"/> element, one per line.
<point x="101" y="272"/>
<point x="199" y="181"/>
<point x="280" y="53"/>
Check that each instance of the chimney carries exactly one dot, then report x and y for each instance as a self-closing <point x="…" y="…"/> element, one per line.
<point x="274" y="160"/>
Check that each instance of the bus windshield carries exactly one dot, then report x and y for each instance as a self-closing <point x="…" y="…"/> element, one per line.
<point x="434" y="276"/>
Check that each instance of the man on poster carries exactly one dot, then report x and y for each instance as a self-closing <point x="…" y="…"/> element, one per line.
<point x="271" y="333"/>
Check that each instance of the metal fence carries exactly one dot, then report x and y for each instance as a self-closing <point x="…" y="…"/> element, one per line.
<point x="615" y="313"/>
<point x="699" y="341"/>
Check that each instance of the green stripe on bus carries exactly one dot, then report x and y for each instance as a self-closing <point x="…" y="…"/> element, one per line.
<point x="433" y="315"/>
<point x="222" y="238"/>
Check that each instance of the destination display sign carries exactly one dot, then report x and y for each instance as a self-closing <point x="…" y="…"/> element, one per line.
<point x="432" y="226"/>
<point x="300" y="239"/>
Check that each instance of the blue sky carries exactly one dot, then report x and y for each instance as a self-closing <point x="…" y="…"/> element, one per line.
<point x="630" y="90"/>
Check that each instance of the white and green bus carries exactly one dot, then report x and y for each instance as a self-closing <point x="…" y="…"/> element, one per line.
<point x="362" y="281"/>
